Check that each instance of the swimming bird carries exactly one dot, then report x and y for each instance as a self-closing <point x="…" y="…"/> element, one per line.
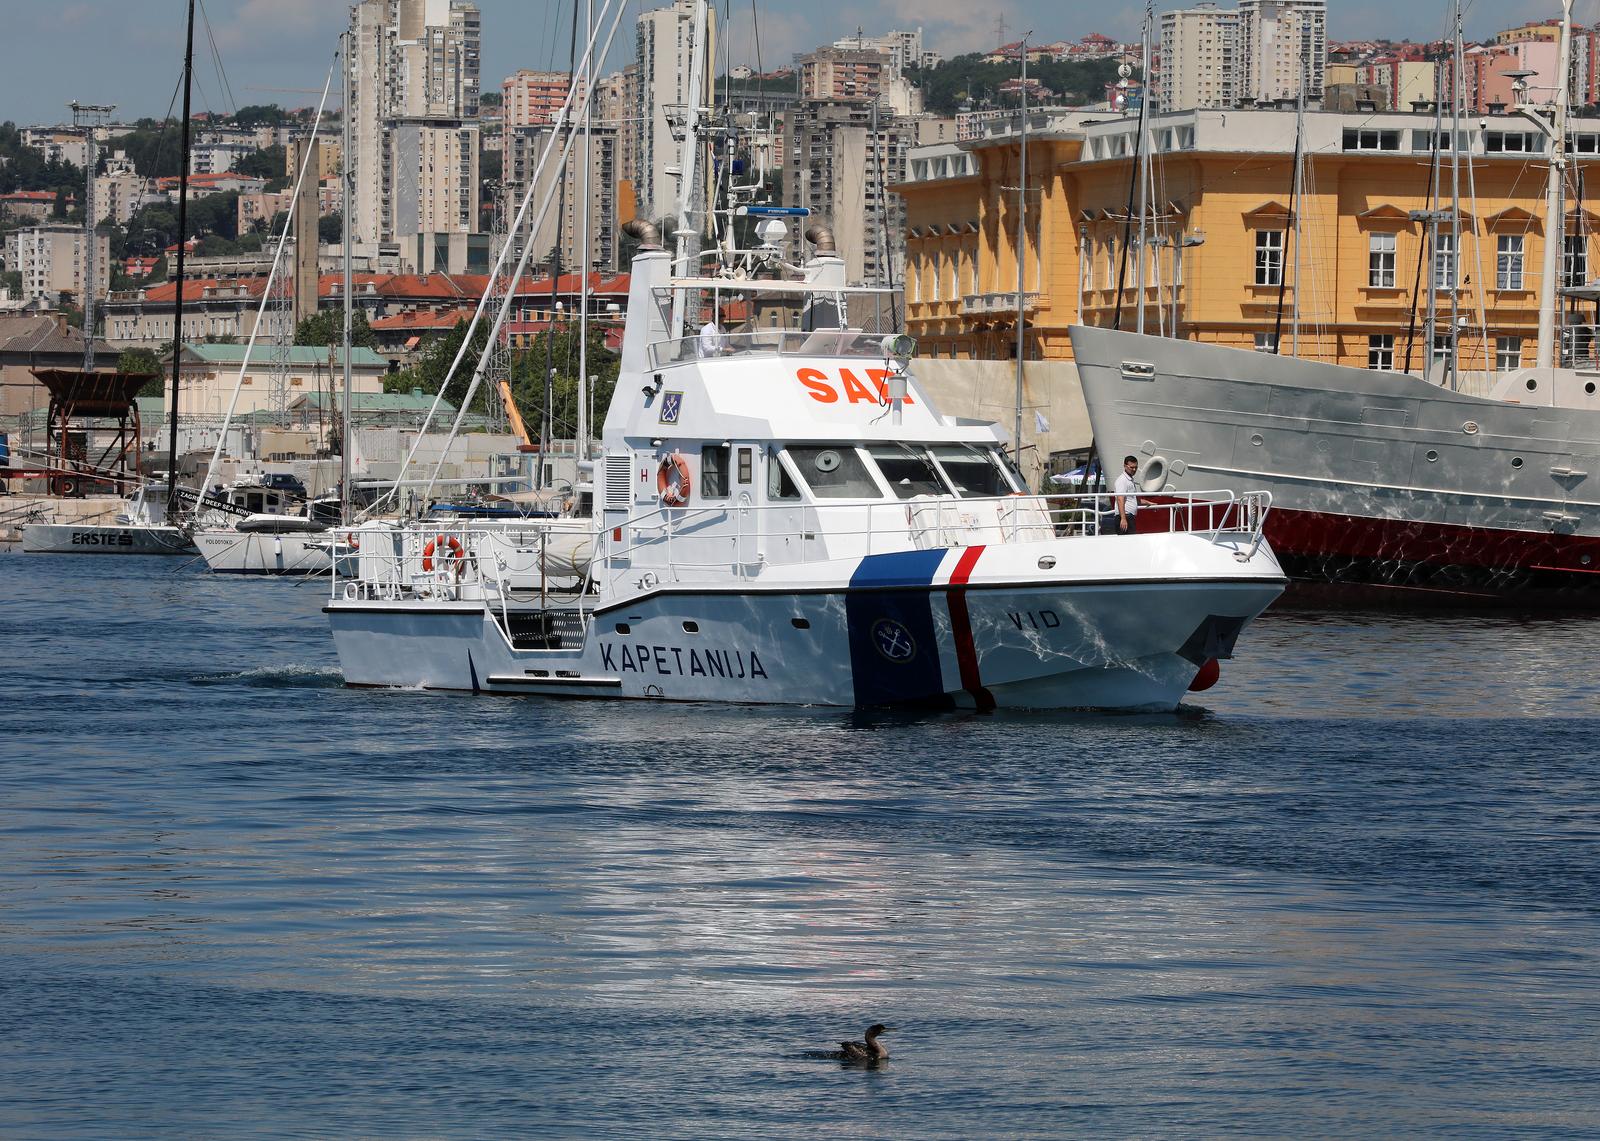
<point x="869" y="1051"/>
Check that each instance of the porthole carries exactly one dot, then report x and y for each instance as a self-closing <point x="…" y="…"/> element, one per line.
<point x="691" y="627"/>
<point x="1589" y="387"/>
<point x="800" y="623"/>
<point x="1532" y="384"/>
<point x="624" y="628"/>
<point x="1516" y="461"/>
<point x="1047" y="562"/>
<point x="1470" y="427"/>
<point x="1256" y="439"/>
<point x="1433" y="457"/>
<point x="1584" y="559"/>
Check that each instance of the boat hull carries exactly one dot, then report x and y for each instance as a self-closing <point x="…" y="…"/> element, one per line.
<point x="227" y="551"/>
<point x="1118" y="643"/>
<point x="104" y="539"/>
<point x="1384" y="487"/>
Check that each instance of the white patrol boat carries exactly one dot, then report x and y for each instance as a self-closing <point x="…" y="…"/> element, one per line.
<point x="782" y="516"/>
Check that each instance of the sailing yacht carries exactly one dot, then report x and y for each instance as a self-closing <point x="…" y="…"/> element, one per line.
<point x="266" y="539"/>
<point x="1388" y="487"/>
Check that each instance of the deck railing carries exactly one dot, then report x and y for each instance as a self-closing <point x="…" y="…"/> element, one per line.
<point x="558" y="561"/>
<point x="769" y="342"/>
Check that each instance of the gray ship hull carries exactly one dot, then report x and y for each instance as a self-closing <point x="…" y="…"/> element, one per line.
<point x="1384" y="487"/>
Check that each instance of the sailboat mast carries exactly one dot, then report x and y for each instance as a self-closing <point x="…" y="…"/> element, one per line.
<point x="1452" y="364"/>
<point x="1022" y="245"/>
<point x="347" y="195"/>
<point x="1432" y="217"/>
<point x="1143" y="175"/>
<point x="1555" y="228"/>
<point x="1292" y="225"/>
<point x="177" y="306"/>
<point x="585" y="260"/>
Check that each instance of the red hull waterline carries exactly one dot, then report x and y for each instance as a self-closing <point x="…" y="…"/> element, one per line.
<point x="1396" y="562"/>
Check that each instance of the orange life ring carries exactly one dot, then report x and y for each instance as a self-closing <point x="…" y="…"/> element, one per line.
<point x="352" y="540"/>
<point x="674" y="465"/>
<point x="439" y="544"/>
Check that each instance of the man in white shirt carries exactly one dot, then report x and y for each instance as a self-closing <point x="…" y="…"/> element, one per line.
<point x="1126" y="492"/>
<point x="710" y="339"/>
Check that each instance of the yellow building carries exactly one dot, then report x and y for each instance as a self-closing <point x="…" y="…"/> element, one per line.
<point x="1222" y="262"/>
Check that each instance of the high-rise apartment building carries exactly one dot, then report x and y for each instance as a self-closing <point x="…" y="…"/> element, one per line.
<point x="852" y="75"/>
<point x="1260" y="53"/>
<point x="562" y="231"/>
<point x="533" y="98"/>
<point x="414" y="107"/>
<point x="1197" y="58"/>
<point x="1282" y="45"/>
<point x="614" y="99"/>
<point x="904" y="49"/>
<point x="664" y="53"/>
<point x="840" y="170"/>
<point x="51" y="262"/>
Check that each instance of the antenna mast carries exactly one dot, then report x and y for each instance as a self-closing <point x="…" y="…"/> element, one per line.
<point x="88" y="116"/>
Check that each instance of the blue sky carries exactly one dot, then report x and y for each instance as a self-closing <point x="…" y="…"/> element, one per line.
<point x="129" y="52"/>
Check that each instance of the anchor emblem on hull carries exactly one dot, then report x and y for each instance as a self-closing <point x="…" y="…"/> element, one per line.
<point x="893" y="641"/>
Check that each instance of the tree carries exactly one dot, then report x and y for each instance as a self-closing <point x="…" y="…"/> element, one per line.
<point x="143" y="361"/>
<point x="528" y="372"/>
<point x="330" y="228"/>
<point x="967" y="79"/>
<point x="326" y="327"/>
<point x="156" y="150"/>
<point x="213" y="246"/>
<point x="215" y="214"/>
<point x="433" y="364"/>
<point x="266" y="163"/>
<point x="257" y="115"/>
<point x="139" y="360"/>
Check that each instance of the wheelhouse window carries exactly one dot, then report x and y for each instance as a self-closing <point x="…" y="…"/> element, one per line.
<point x="1269" y="257"/>
<point x="1508" y="262"/>
<point x="1380" y="260"/>
<point x="908" y="471"/>
<point x="974" y="472"/>
<point x="714" y="471"/>
<point x="779" y="483"/>
<point x="834" y="471"/>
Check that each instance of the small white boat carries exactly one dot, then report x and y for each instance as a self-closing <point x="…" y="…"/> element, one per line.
<point x="267" y="540"/>
<point x="140" y="530"/>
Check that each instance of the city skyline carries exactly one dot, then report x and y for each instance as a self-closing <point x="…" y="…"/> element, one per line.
<point x="279" y="51"/>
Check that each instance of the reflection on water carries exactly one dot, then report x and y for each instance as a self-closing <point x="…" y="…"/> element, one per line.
<point x="237" y="898"/>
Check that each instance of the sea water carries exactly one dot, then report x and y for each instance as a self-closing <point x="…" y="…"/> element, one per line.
<point x="1353" y="889"/>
